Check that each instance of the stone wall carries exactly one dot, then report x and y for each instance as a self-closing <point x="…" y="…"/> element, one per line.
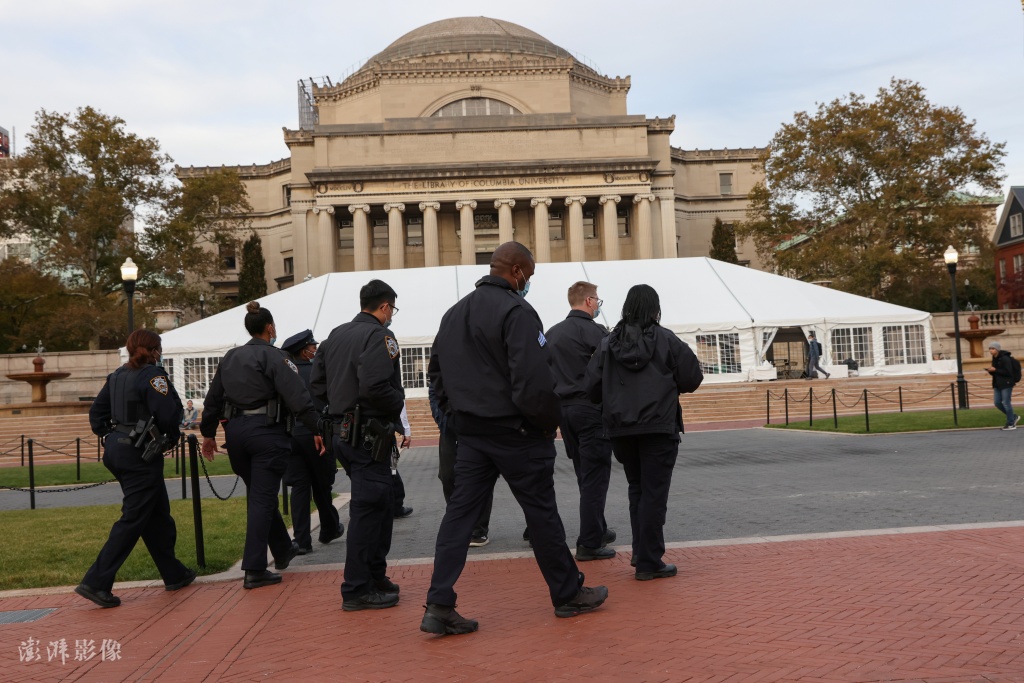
<point x="89" y="370"/>
<point x="1011" y="320"/>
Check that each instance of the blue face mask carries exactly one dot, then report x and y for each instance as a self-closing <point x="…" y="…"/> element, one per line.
<point x="597" y="312"/>
<point x="273" y="340"/>
<point x="525" y="290"/>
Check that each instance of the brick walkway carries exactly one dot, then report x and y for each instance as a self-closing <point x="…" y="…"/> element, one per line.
<point x="937" y="605"/>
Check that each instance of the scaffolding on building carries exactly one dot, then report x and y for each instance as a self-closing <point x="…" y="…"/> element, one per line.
<point x="309" y="117"/>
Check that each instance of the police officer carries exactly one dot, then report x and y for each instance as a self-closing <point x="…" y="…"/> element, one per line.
<point x="637" y="374"/>
<point x="255" y="386"/>
<point x="573" y="342"/>
<point x="309" y="471"/>
<point x="135" y="392"/>
<point x="357" y="372"/>
<point x="489" y="366"/>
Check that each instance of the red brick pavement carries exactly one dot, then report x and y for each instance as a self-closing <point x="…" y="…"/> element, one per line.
<point x="940" y="606"/>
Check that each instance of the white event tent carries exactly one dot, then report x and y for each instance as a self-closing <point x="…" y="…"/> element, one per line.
<point x="728" y="314"/>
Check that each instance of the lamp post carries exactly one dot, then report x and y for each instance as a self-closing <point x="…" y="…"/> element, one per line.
<point x="961" y="385"/>
<point x="202" y="306"/>
<point x="129" y="273"/>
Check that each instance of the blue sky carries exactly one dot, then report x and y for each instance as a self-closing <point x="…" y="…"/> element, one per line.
<point x="214" y="82"/>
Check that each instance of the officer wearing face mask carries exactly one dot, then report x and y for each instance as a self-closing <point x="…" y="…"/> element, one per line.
<point x="357" y="372"/>
<point x="489" y="369"/>
<point x="573" y="342"/>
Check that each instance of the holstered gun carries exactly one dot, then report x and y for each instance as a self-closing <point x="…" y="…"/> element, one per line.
<point x="149" y="438"/>
<point x="379" y="439"/>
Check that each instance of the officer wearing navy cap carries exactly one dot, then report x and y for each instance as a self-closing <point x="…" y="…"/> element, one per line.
<point x="309" y="472"/>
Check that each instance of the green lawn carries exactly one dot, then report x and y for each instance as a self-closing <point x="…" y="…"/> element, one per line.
<point x="920" y="421"/>
<point x="55" y="547"/>
<point x="60" y="474"/>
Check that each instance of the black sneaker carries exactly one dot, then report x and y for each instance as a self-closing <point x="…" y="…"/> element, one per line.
<point x="260" y="579"/>
<point x="386" y="585"/>
<point x="479" y="541"/>
<point x="333" y="537"/>
<point x="371" y="600"/>
<point x="101" y="598"/>
<point x="609" y="536"/>
<point x="292" y="552"/>
<point x="189" y="577"/>
<point x="445" y="621"/>
<point x="403" y="512"/>
<point x="665" y="572"/>
<point x="584" y="554"/>
<point x="586" y="600"/>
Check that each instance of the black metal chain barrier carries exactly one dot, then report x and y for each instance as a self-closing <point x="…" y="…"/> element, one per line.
<point x="63" y="489"/>
<point x="16" y="447"/>
<point x="202" y="461"/>
<point x="57" y="450"/>
<point x="860" y="397"/>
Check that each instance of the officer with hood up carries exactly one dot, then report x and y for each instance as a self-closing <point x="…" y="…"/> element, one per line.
<point x="637" y="374"/>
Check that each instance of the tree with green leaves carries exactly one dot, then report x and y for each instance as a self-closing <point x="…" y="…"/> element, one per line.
<point x="723" y="242"/>
<point x="252" y="277"/>
<point x="868" y="194"/>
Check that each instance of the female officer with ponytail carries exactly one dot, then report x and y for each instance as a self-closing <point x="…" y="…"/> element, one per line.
<point x="255" y="386"/>
<point x="135" y="392"/>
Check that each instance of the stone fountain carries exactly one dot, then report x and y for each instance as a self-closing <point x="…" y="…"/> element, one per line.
<point x="976" y="336"/>
<point x="38" y="378"/>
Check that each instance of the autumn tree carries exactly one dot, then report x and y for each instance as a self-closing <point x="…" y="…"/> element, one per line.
<point x="252" y="277"/>
<point x="723" y="242"/>
<point x="868" y="194"/>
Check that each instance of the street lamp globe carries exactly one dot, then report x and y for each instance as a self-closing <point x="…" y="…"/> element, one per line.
<point x="950" y="256"/>
<point x="130" y="271"/>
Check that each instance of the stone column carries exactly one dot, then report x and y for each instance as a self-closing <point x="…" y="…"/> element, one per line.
<point x="504" y="207"/>
<point x="431" y="245"/>
<point x="610" y="227"/>
<point x="361" y="241"/>
<point x="575" y="236"/>
<point x="669" y="248"/>
<point x="396" y="236"/>
<point x="300" y="250"/>
<point x="328" y="242"/>
<point x="467" y="230"/>
<point x="644" y="247"/>
<point x="541" y="232"/>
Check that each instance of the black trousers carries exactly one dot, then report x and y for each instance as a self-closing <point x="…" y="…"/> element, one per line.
<point x="648" y="461"/>
<point x="145" y="514"/>
<point x="370" y="519"/>
<point x="311" y="475"/>
<point x="447" y="448"/>
<point x="528" y="465"/>
<point x="259" y="455"/>
<point x="591" y="454"/>
<point x="397" y="492"/>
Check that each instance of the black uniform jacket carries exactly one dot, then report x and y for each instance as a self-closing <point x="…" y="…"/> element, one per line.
<point x="489" y="363"/>
<point x="359" y="363"/>
<point x="305" y="370"/>
<point x="573" y="342"/>
<point x="639" y="375"/>
<point x="152" y="387"/>
<point x="1003" y="376"/>
<point x="251" y="375"/>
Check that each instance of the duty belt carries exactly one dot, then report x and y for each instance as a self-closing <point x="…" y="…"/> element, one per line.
<point x="124" y="429"/>
<point x="262" y="410"/>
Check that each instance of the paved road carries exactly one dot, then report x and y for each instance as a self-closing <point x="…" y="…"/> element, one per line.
<point x="731" y="484"/>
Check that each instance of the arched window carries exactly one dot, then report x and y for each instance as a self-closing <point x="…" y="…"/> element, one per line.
<point x="477" y="106"/>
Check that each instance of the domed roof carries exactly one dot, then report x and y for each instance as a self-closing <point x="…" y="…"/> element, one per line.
<point x="468" y="34"/>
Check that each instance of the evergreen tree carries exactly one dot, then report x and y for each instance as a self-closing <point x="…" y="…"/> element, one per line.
<point x="252" y="277"/>
<point x="723" y="243"/>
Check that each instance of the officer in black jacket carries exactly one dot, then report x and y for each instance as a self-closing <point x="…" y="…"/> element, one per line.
<point x="637" y="374"/>
<point x="310" y="472"/>
<point x="357" y="372"/>
<point x="573" y="342"/>
<point x="489" y="367"/>
<point x="254" y="389"/>
<point x="136" y="391"/>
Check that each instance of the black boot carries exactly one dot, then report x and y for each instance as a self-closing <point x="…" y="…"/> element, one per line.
<point x="446" y="621"/>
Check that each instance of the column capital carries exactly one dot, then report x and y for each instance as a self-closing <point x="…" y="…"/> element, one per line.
<point x="569" y="201"/>
<point x="318" y="209"/>
<point x="399" y="207"/>
<point x="546" y="201"/>
<point x="609" y="198"/>
<point x="471" y="203"/>
<point x="641" y="197"/>
<point x="365" y="208"/>
<point x="436" y="206"/>
<point x="498" y="203"/>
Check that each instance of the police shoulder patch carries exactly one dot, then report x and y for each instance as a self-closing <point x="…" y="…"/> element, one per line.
<point x="392" y="346"/>
<point x="541" y="339"/>
<point x="160" y="384"/>
<point x="291" y="365"/>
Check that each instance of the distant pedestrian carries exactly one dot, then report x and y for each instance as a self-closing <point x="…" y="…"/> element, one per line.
<point x="1003" y="379"/>
<point x="638" y="373"/>
<point x="190" y="419"/>
<point x="814" y="352"/>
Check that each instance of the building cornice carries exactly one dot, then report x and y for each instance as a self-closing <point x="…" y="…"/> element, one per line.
<point x="708" y="155"/>
<point x="274" y="168"/>
<point x="477" y="124"/>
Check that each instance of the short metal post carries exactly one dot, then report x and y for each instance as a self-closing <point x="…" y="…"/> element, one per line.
<point x="867" y="420"/>
<point x="78" y="457"/>
<point x="901" y="397"/>
<point x="177" y="456"/>
<point x="99" y="444"/>
<point x="952" y="393"/>
<point x="785" y="398"/>
<point x="22" y="450"/>
<point x="810" y="406"/>
<point x="285" y="510"/>
<point x="31" y="477"/>
<point x="184" y="493"/>
<point x="835" y="414"/>
<point x="197" y="507"/>
<point x="768" y="407"/>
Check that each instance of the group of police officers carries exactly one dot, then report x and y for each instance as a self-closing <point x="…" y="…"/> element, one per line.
<point x="500" y="388"/>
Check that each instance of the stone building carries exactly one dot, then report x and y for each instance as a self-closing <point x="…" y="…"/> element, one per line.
<point x="468" y="132"/>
